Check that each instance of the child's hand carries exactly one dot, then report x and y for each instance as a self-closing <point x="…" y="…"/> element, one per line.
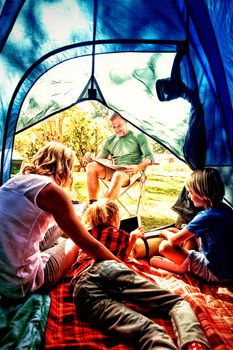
<point x="139" y="232"/>
<point x="134" y="235"/>
<point x="173" y="229"/>
<point x="166" y="234"/>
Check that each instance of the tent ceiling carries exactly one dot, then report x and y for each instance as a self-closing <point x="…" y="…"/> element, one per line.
<point x="132" y="75"/>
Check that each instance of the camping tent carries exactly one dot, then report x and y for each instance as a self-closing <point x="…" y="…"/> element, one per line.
<point x="56" y="53"/>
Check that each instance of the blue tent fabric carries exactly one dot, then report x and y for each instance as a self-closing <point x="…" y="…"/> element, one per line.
<point x="111" y="51"/>
<point x="23" y="323"/>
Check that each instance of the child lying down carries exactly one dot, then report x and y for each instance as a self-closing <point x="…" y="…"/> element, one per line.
<point x="101" y="289"/>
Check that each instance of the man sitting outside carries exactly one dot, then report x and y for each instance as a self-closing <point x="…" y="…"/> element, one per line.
<point x="125" y="147"/>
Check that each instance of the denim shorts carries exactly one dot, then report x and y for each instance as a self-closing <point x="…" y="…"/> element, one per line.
<point x="197" y="263"/>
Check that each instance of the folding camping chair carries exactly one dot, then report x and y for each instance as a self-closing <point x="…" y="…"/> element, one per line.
<point x="137" y="180"/>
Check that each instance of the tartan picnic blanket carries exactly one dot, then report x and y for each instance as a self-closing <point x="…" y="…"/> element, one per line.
<point x="213" y="305"/>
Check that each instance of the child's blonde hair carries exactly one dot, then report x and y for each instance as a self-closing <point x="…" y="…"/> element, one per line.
<point x="207" y="184"/>
<point x="54" y="159"/>
<point x="101" y="212"/>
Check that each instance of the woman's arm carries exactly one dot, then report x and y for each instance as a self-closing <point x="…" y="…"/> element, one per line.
<point x="54" y="200"/>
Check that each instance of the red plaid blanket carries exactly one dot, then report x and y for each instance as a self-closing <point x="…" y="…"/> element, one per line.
<point x="213" y="305"/>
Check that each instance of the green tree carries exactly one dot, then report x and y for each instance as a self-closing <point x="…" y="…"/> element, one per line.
<point x="82" y="133"/>
<point x="29" y="141"/>
<point x="156" y="147"/>
<point x="74" y="127"/>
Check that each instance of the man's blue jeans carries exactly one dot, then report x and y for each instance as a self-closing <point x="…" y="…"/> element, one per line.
<point x="101" y="292"/>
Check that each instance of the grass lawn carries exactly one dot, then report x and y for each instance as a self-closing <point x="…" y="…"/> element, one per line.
<point x="163" y="185"/>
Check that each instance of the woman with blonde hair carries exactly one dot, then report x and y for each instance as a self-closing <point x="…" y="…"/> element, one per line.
<point x="31" y="203"/>
<point x="212" y="226"/>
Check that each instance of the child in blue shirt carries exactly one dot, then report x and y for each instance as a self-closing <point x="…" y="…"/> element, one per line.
<point x="213" y="228"/>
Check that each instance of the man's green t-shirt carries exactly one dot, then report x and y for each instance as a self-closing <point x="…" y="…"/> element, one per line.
<point x="130" y="149"/>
